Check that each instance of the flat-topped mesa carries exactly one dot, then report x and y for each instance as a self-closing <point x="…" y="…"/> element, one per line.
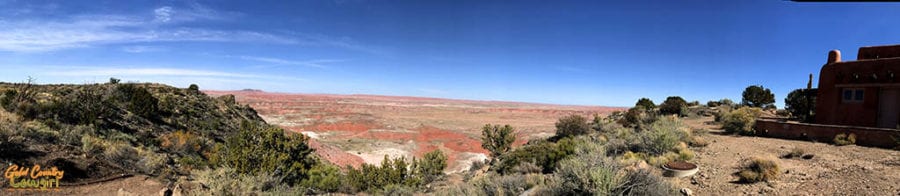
<point x="877" y="52"/>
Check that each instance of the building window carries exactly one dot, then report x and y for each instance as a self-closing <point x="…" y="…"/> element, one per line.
<point x="853" y="95"/>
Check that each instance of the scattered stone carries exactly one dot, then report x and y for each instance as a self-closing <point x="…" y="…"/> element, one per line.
<point x="808" y="156"/>
<point x="687" y="192"/>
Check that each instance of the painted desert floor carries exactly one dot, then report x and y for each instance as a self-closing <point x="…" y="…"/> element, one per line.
<point x="356" y="129"/>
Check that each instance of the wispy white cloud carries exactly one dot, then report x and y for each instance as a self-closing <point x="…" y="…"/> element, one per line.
<point x="191" y="12"/>
<point x="86" y="31"/>
<point x="339" y="42"/>
<point x="155" y="71"/>
<point x="163" y="14"/>
<point x="80" y="31"/>
<point x="142" y="49"/>
<point x="102" y="71"/>
<point x="319" y="63"/>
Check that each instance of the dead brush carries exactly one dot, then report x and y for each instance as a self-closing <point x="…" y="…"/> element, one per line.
<point x="758" y="169"/>
<point x="794" y="153"/>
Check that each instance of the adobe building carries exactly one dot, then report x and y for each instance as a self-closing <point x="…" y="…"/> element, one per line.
<point x="864" y="92"/>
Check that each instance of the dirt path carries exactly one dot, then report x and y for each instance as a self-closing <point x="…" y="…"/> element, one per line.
<point x="834" y="170"/>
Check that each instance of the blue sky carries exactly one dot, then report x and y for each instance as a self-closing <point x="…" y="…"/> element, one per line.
<point x="565" y="52"/>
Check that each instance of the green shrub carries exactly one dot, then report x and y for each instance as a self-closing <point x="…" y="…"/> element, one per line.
<point x="393" y="172"/>
<point x="477" y="165"/>
<point x="495" y="184"/>
<point x="149" y="162"/>
<point x="527" y="168"/>
<point x="497" y="139"/>
<point x="193" y="88"/>
<point x="260" y="149"/>
<point x="431" y="166"/>
<point x="138" y="100"/>
<point x="721" y="112"/>
<point x="645" y="103"/>
<point x="644" y="182"/>
<point x="741" y="121"/>
<point x="7" y="100"/>
<point x="673" y="105"/>
<point x="662" y="136"/>
<point x="726" y="102"/>
<point x="395" y="190"/>
<point x="91" y="145"/>
<point x="757" y="96"/>
<point x="638" y="117"/>
<point x="184" y="143"/>
<point x="83" y="107"/>
<point x="589" y="174"/>
<point x="844" y="139"/>
<point x="693" y="103"/>
<point x="228" y="181"/>
<point x="122" y="154"/>
<point x="460" y="189"/>
<point x="323" y="178"/>
<point x="545" y="154"/>
<point x="572" y="125"/>
<point x="758" y="169"/>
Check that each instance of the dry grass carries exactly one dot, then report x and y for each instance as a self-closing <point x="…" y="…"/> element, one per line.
<point x="794" y="153"/>
<point x="844" y="139"/>
<point x="758" y="169"/>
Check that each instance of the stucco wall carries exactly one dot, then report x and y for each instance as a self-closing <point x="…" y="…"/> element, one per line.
<point x="867" y="74"/>
<point x="865" y="136"/>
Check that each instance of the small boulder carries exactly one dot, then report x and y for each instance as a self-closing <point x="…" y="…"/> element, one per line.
<point x="687" y="192"/>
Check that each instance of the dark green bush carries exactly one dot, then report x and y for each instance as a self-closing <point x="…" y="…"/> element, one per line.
<point x="395" y="173"/>
<point x="726" y="102"/>
<point x="7" y="100"/>
<point x="497" y="139"/>
<point x="544" y="154"/>
<point x="193" y="88"/>
<point x="757" y="96"/>
<point x="801" y="103"/>
<point x="673" y="105"/>
<point x="259" y="148"/>
<point x="431" y="166"/>
<point x="638" y="117"/>
<point x="138" y="100"/>
<point x="323" y="178"/>
<point x="83" y="107"/>
<point x="572" y="125"/>
<point x="646" y="103"/>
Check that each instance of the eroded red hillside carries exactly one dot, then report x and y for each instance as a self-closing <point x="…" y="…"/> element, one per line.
<point x="356" y="129"/>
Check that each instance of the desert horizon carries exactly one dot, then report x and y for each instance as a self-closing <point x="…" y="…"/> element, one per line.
<point x="405" y="97"/>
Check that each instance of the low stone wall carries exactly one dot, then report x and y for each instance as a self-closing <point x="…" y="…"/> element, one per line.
<point x="865" y="136"/>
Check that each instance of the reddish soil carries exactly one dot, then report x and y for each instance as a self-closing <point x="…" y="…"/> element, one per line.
<point x="356" y="129"/>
